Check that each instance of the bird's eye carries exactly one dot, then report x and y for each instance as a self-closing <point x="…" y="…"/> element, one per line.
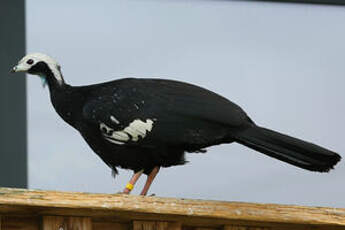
<point x="30" y="61"/>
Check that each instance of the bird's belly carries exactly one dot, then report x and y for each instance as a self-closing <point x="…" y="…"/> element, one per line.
<point x="134" y="157"/>
<point x="164" y="146"/>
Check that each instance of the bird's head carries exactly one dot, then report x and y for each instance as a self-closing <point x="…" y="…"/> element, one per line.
<point x="41" y="65"/>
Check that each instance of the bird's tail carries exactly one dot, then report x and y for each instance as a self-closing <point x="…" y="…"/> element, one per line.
<point x="289" y="149"/>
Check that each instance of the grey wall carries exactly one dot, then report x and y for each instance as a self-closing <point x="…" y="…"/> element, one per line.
<point x="283" y="63"/>
<point x="13" y="140"/>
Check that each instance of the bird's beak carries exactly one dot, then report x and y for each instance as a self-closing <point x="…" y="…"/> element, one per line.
<point x="13" y="70"/>
<point x="19" y="68"/>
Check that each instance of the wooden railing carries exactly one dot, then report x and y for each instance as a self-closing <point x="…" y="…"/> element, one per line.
<point x="50" y="210"/>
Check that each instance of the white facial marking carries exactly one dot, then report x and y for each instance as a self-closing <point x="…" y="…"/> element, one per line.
<point x="132" y="132"/>
<point x="23" y="65"/>
<point x="113" y="119"/>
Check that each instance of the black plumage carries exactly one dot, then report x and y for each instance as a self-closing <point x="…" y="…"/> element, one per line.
<point x="142" y="124"/>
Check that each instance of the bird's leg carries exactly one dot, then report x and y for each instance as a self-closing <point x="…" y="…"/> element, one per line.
<point x="132" y="182"/>
<point x="149" y="180"/>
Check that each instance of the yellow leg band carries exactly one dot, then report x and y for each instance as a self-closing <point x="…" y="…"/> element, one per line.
<point x="129" y="186"/>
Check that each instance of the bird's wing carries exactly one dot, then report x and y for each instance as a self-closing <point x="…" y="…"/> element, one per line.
<point x="118" y="123"/>
<point x="129" y="114"/>
<point x="192" y="101"/>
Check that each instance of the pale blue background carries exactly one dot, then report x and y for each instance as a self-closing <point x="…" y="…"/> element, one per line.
<point x="283" y="63"/>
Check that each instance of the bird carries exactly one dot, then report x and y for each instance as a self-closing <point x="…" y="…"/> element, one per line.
<point x="144" y="124"/>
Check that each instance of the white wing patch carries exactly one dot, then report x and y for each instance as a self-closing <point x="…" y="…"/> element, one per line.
<point x="113" y="119"/>
<point x="132" y="132"/>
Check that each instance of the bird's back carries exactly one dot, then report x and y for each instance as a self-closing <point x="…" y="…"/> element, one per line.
<point x="173" y="97"/>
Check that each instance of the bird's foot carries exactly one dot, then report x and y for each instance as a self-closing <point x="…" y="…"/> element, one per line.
<point x="125" y="191"/>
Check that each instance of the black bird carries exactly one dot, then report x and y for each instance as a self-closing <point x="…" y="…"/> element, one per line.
<point x="145" y="124"/>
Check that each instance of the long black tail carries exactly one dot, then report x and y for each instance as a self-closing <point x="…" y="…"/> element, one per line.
<point x="289" y="149"/>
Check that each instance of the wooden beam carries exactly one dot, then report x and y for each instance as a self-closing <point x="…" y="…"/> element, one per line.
<point x="173" y="226"/>
<point x="237" y="227"/>
<point x="79" y="223"/>
<point x="66" y="223"/>
<point x="209" y="229"/>
<point x="126" y="208"/>
<point x="54" y="223"/>
<point x="20" y="223"/>
<point x="101" y="225"/>
<point x="150" y="225"/>
<point x="156" y="225"/>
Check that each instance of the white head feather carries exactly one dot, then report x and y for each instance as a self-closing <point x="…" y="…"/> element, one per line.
<point x="24" y="65"/>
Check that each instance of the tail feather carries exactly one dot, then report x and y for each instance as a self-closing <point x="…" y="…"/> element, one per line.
<point x="288" y="149"/>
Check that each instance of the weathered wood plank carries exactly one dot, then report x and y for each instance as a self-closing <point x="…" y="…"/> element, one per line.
<point x="173" y="226"/>
<point x="20" y="223"/>
<point x="66" y="223"/>
<point x="150" y="225"/>
<point x="187" y="212"/>
<point x="236" y="227"/>
<point x="283" y="227"/>
<point x="79" y="223"/>
<point x="205" y="229"/>
<point x="110" y="226"/>
<point x="156" y="225"/>
<point x="54" y="223"/>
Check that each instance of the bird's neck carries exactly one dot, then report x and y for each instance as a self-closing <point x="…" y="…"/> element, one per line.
<point x="65" y="99"/>
<point x="54" y="79"/>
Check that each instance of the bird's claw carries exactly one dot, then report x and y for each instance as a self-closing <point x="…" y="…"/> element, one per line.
<point x="121" y="192"/>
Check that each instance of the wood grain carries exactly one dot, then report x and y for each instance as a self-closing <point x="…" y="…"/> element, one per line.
<point x="205" y="229"/>
<point x="66" y="223"/>
<point x="175" y="226"/>
<point x="54" y="223"/>
<point x="110" y="226"/>
<point x="156" y="225"/>
<point x="236" y="227"/>
<point x="150" y="225"/>
<point x="79" y="223"/>
<point x="126" y="208"/>
<point x="20" y="223"/>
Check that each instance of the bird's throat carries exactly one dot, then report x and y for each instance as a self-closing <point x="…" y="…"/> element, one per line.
<point x="44" y="81"/>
